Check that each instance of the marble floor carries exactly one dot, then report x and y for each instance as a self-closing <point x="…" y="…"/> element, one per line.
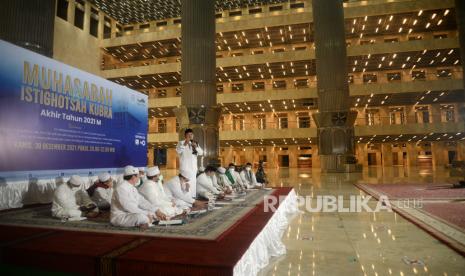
<point x="358" y="243"/>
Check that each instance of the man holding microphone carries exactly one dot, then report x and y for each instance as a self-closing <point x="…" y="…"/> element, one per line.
<point x="188" y="150"/>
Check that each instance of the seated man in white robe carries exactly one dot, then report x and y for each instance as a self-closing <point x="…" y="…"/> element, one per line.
<point x="205" y="187"/>
<point x="101" y="191"/>
<point x="153" y="191"/>
<point x="248" y="177"/>
<point x="178" y="188"/>
<point x="235" y="178"/>
<point x="128" y="207"/>
<point x="70" y="202"/>
<point x="142" y="177"/>
<point x="223" y="181"/>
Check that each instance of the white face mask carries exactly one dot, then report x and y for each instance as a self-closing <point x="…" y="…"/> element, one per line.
<point x="248" y="168"/>
<point x="231" y="169"/>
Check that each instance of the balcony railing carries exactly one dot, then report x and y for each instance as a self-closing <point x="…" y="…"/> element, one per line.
<point x="296" y="83"/>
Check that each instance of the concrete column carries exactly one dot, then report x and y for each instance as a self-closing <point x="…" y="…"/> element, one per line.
<point x="384" y="115"/>
<point x="86" y="18"/>
<point x="271" y="157"/>
<point x="386" y="152"/>
<point x="228" y="156"/>
<point x="461" y="150"/>
<point x="71" y="8"/>
<point x="198" y="66"/>
<point x="113" y="28"/>
<point x="292" y="120"/>
<point x="315" y="157"/>
<point x="150" y="157"/>
<point x="171" y="125"/>
<point x="101" y="24"/>
<point x="249" y="153"/>
<point x="293" y="155"/>
<point x="249" y="122"/>
<point x="435" y="113"/>
<point x="412" y="154"/>
<point x="439" y="152"/>
<point x="334" y="120"/>
<point x="362" y="154"/>
<point x="171" y="158"/>
<point x="460" y="17"/>
<point x="410" y="114"/>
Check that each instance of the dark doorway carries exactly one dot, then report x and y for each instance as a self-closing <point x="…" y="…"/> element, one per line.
<point x="284" y="160"/>
<point x="372" y="159"/>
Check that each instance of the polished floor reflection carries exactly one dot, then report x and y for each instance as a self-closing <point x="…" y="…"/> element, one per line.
<point x="358" y="243"/>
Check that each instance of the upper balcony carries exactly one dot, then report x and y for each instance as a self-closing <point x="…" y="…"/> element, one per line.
<point x="272" y="15"/>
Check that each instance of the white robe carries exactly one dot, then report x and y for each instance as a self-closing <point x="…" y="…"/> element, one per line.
<point x="128" y="207"/>
<point x="102" y="197"/>
<point x="188" y="163"/>
<point x="215" y="183"/>
<point x="182" y="198"/>
<point x="155" y="194"/>
<point x="67" y="200"/>
<point x="237" y="179"/>
<point x="250" y="181"/>
<point x="223" y="180"/>
<point x="205" y="186"/>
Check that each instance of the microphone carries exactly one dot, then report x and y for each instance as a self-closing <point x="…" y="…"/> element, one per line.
<point x="194" y="148"/>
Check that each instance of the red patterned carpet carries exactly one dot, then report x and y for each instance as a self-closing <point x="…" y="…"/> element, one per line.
<point x="432" y="191"/>
<point x="451" y="212"/>
<point x="440" y="210"/>
<point x="88" y="253"/>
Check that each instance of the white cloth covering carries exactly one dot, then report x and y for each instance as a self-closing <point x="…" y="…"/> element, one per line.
<point x="67" y="200"/>
<point x="188" y="163"/>
<point x="12" y="194"/>
<point x="128" y="207"/>
<point x="16" y="194"/>
<point x="182" y="198"/>
<point x="268" y="242"/>
<point x="155" y="194"/>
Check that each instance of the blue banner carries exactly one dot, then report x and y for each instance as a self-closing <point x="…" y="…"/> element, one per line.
<point x="56" y="117"/>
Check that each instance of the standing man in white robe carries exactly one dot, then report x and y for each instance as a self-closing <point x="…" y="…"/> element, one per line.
<point x="178" y="188"/>
<point x="70" y="202"/>
<point x="188" y="150"/>
<point x="128" y="207"/>
<point x="153" y="191"/>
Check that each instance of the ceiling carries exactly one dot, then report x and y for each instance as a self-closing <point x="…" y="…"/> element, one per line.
<point x="138" y="11"/>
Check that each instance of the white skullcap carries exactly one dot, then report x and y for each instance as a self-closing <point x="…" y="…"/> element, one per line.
<point x="152" y="171"/>
<point x="75" y="180"/>
<point x="130" y="170"/>
<point x="221" y="170"/>
<point x="184" y="173"/>
<point x="141" y="169"/>
<point x="104" y="177"/>
<point x="201" y="169"/>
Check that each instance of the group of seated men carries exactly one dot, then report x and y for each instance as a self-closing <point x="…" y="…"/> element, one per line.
<point x="142" y="197"/>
